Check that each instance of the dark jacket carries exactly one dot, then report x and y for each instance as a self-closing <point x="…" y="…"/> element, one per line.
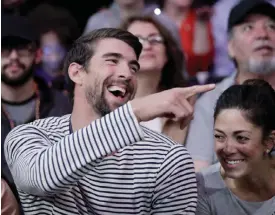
<point x="53" y="103"/>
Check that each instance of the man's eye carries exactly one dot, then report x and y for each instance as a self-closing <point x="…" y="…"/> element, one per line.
<point x="247" y="27"/>
<point x="272" y="26"/>
<point x="112" y="61"/>
<point x="134" y="69"/>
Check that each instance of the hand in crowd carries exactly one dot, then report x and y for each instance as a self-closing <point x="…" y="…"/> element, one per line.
<point x="176" y="104"/>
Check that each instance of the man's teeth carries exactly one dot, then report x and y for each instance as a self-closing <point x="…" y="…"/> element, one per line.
<point x="233" y="161"/>
<point x="116" y="88"/>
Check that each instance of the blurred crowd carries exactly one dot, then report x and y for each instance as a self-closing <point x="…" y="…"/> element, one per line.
<point x="184" y="43"/>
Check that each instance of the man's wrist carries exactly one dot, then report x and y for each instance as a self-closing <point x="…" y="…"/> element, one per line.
<point x="135" y="109"/>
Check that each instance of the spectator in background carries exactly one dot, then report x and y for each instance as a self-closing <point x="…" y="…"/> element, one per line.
<point x="243" y="182"/>
<point x="251" y="30"/>
<point x="25" y="97"/>
<point x="223" y="65"/>
<point x="193" y="22"/>
<point x="57" y="31"/>
<point x="120" y="10"/>
<point x="161" y="67"/>
<point x="9" y="205"/>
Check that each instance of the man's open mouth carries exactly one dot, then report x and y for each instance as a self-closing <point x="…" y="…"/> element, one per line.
<point x="117" y="91"/>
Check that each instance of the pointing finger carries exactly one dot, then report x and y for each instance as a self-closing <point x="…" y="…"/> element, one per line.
<point x="192" y="100"/>
<point x="191" y="91"/>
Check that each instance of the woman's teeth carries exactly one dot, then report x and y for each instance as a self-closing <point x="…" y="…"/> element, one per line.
<point x="233" y="161"/>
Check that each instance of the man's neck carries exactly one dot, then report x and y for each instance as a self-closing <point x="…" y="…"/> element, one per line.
<point x="243" y="76"/>
<point x="17" y="94"/>
<point x="176" y="13"/>
<point x="148" y="83"/>
<point x="129" y="10"/>
<point x="82" y="114"/>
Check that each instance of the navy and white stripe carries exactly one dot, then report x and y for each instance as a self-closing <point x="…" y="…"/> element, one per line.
<point x="112" y="166"/>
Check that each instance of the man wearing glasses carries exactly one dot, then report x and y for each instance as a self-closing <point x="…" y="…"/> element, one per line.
<point x="25" y="98"/>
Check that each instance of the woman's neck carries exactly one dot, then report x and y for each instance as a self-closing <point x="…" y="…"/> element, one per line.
<point x="148" y="83"/>
<point x="17" y="94"/>
<point x="177" y="14"/>
<point x="255" y="188"/>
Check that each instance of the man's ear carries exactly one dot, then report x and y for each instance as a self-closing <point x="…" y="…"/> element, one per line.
<point x="270" y="142"/>
<point x="38" y="56"/>
<point x="230" y="48"/>
<point x="75" y="72"/>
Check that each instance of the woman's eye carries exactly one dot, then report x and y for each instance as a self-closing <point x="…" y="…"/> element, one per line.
<point x="242" y="138"/>
<point x="219" y="137"/>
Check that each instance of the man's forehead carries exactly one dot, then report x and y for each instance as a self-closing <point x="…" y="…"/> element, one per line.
<point x="254" y="17"/>
<point x="112" y="45"/>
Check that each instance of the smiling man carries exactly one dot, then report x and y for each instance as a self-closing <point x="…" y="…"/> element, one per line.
<point x="99" y="160"/>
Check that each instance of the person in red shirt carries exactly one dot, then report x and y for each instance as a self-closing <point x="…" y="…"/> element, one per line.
<point x="193" y="21"/>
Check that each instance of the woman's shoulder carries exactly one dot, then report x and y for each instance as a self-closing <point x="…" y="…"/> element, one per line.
<point x="210" y="180"/>
<point x="212" y="192"/>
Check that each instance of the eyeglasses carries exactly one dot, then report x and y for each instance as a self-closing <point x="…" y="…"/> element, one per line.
<point x="22" y="51"/>
<point x="156" y="39"/>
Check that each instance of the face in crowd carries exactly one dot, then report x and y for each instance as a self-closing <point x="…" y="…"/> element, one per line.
<point x="18" y="57"/>
<point x="153" y="56"/>
<point x="109" y="79"/>
<point x="252" y="44"/>
<point x="244" y="128"/>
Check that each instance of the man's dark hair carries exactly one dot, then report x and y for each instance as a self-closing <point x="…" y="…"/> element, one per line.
<point x="83" y="48"/>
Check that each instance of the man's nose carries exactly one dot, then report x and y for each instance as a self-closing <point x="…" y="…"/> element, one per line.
<point x="13" y="54"/>
<point x="125" y="72"/>
<point x="262" y="32"/>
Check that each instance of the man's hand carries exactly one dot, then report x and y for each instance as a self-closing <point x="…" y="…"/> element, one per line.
<point x="176" y="104"/>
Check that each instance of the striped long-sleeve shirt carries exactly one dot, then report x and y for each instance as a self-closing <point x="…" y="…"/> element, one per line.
<point x="112" y="166"/>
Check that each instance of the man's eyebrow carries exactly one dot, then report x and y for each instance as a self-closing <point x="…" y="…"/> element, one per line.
<point x="112" y="54"/>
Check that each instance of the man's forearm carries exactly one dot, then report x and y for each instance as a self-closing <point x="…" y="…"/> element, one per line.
<point x="44" y="168"/>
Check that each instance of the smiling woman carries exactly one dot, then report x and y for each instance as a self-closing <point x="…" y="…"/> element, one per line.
<point x="244" y="130"/>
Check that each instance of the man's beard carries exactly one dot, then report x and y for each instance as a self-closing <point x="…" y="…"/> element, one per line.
<point x="20" y="80"/>
<point x="98" y="100"/>
<point x="261" y="67"/>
